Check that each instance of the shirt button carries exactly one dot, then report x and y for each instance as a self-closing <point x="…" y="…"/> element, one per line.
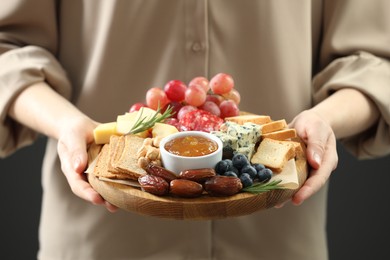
<point x="196" y="47"/>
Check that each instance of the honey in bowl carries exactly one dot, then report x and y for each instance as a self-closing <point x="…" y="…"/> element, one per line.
<point x="191" y="146"/>
<point x="199" y="150"/>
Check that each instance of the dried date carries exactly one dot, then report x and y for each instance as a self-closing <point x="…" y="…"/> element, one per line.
<point x="154" y="184"/>
<point x="185" y="188"/>
<point x="160" y="171"/>
<point x="197" y="175"/>
<point x="223" y="185"/>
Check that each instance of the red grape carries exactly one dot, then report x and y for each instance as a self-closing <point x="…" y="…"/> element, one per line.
<point x="195" y="96"/>
<point x="211" y="107"/>
<point x="221" y="83"/>
<point x="176" y="106"/>
<point x="155" y="98"/>
<point x="228" y="108"/>
<point x="233" y="95"/>
<point x="184" y="110"/>
<point x="217" y="99"/>
<point x="200" y="81"/>
<point x="136" y="107"/>
<point x="175" y="90"/>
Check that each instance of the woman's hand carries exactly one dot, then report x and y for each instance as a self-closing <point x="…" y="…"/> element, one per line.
<point x="72" y="150"/>
<point x="320" y="126"/>
<point x="321" y="152"/>
<point x="44" y="110"/>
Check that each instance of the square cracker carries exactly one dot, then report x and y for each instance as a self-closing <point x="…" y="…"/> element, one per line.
<point x="116" y="146"/>
<point x="101" y="167"/>
<point x="128" y="160"/>
<point x="274" y="154"/>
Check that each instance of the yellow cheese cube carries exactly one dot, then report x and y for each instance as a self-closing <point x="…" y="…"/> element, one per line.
<point x="102" y="132"/>
<point x="143" y="134"/>
<point x="161" y="130"/>
<point x="126" y="122"/>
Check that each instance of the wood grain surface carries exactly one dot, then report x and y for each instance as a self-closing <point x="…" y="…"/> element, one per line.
<point x="201" y="208"/>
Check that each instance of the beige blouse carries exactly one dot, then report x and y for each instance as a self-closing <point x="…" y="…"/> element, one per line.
<point x="103" y="55"/>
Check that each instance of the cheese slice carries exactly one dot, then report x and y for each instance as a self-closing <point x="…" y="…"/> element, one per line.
<point x="103" y="132"/>
<point x="162" y="130"/>
<point x="126" y="122"/>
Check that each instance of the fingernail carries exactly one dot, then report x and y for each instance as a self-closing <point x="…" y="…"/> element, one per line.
<point x="280" y="205"/>
<point x="76" y="163"/>
<point x="317" y="158"/>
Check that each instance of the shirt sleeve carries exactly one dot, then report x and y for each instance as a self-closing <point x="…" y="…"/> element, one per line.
<point x="28" y="40"/>
<point x="355" y="54"/>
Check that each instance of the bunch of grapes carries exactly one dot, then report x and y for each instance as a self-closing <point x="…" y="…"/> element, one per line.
<point x="217" y="96"/>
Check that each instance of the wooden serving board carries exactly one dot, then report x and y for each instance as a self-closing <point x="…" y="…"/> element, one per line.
<point x="202" y="208"/>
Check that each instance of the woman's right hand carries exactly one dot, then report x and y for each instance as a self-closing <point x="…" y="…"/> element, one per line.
<point x="72" y="147"/>
<point x="42" y="109"/>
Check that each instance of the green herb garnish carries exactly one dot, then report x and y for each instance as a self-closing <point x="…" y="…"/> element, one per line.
<point x="143" y="124"/>
<point x="260" y="187"/>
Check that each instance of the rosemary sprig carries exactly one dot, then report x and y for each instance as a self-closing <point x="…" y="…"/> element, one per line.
<point x="263" y="187"/>
<point x="143" y="124"/>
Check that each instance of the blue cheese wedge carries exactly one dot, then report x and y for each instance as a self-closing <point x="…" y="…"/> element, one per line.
<point x="227" y="140"/>
<point x="257" y="129"/>
<point x="241" y="138"/>
<point x="246" y="134"/>
<point x="248" y="151"/>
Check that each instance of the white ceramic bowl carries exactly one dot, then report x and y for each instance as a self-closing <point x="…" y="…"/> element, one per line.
<point x="177" y="163"/>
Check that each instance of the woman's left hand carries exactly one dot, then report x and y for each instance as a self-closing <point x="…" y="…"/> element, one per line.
<point x="321" y="152"/>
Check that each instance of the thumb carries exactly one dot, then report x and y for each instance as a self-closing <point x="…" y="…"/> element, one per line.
<point x="79" y="159"/>
<point x="315" y="152"/>
<point x="73" y="154"/>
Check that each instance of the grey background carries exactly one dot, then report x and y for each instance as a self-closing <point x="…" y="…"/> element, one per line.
<point x="358" y="216"/>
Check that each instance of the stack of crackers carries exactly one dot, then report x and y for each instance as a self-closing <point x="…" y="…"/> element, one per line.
<point x="118" y="159"/>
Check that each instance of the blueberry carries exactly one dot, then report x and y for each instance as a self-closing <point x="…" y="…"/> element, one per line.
<point x="225" y="165"/>
<point x="259" y="166"/>
<point x="246" y="180"/>
<point x="250" y="170"/>
<point x="234" y="169"/>
<point x="229" y="163"/>
<point x="221" y="167"/>
<point x="230" y="174"/>
<point x="264" y="175"/>
<point x="239" y="160"/>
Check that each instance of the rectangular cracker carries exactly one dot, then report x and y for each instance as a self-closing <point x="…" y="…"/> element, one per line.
<point x="128" y="160"/>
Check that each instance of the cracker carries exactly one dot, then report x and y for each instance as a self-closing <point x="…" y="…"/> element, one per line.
<point x="128" y="161"/>
<point x="101" y="167"/>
